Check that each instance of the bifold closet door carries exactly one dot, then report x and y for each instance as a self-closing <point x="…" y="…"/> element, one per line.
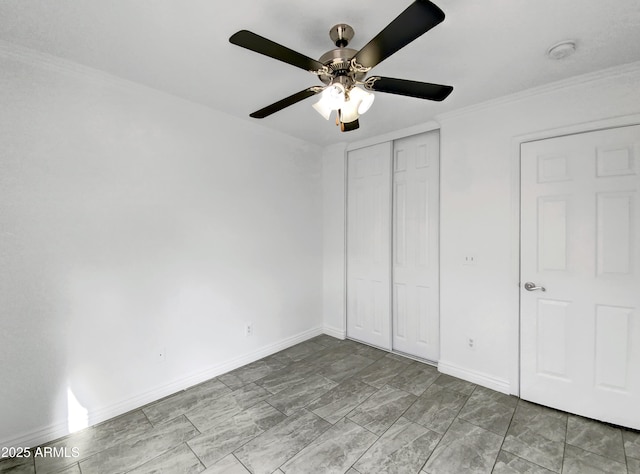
<point x="415" y="277"/>
<point x="369" y="245"/>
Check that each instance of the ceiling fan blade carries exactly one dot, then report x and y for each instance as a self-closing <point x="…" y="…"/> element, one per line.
<point x="417" y="19"/>
<point x="286" y="102"/>
<point x="421" y="90"/>
<point x="259" y="44"/>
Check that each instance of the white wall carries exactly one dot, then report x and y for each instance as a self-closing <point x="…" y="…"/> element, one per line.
<point x="333" y="211"/>
<point x="479" y="214"/>
<point x="130" y="222"/>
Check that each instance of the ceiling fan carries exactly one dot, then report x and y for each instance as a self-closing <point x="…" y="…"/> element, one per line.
<point x="343" y="69"/>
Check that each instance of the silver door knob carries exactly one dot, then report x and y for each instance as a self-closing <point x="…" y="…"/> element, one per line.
<point x="530" y="286"/>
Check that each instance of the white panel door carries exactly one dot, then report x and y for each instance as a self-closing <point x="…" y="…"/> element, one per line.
<point x="369" y="245"/>
<point x="580" y="240"/>
<point x="415" y="246"/>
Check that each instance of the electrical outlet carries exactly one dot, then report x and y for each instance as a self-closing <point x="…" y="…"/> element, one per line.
<point x="469" y="260"/>
<point x="471" y="342"/>
<point x="162" y="355"/>
<point x="248" y="329"/>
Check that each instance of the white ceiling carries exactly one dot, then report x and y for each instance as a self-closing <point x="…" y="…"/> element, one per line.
<point x="484" y="48"/>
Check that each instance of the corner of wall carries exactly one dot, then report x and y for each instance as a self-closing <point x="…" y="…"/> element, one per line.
<point x="339" y="333"/>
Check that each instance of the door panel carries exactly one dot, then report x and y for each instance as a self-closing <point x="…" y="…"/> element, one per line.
<point x="612" y="351"/>
<point x="580" y="240"/>
<point x="614" y="225"/>
<point x="415" y="244"/>
<point x="369" y="245"/>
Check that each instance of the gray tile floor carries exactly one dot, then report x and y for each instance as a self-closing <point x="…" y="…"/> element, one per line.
<point x="338" y="406"/>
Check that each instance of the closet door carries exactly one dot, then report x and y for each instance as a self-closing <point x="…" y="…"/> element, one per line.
<point x="369" y="245"/>
<point x="415" y="246"/>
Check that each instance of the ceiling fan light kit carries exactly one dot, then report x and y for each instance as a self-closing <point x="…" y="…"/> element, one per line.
<point x="349" y="105"/>
<point x="343" y="70"/>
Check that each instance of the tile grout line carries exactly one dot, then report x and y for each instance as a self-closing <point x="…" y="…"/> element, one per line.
<point x="520" y="457"/>
<point x="624" y="452"/>
<point x="241" y="463"/>
<point x="354" y="408"/>
<point x="310" y="442"/>
<point x="168" y="450"/>
<point x="367" y="450"/>
<point x="482" y="427"/>
<point x="564" y="444"/>
<point x="243" y="444"/>
<point x="504" y="437"/>
<point x="147" y="417"/>
<point x="391" y="425"/>
<point x="286" y="416"/>
<point x="402" y="414"/>
<point x="448" y="428"/>
<point x="153" y="458"/>
<point x="435" y="447"/>
<point x="195" y="454"/>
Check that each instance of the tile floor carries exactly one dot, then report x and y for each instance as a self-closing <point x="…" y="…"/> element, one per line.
<point x="338" y="406"/>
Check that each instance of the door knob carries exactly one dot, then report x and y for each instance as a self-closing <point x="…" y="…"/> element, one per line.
<point x="530" y="286"/>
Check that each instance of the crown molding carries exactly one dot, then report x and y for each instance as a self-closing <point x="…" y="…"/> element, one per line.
<point x="395" y="135"/>
<point x="590" y="77"/>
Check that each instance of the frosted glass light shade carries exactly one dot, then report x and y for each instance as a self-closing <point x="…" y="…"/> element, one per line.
<point x="332" y="98"/>
<point x="349" y="111"/>
<point x="323" y="109"/>
<point x="363" y="98"/>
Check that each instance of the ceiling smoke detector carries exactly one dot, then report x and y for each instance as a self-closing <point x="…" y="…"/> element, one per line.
<point x="562" y="49"/>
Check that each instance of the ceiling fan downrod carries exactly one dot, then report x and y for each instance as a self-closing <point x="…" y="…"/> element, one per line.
<point x="341" y="34"/>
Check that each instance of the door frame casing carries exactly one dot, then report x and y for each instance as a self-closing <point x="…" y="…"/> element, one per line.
<point x="516" y="143"/>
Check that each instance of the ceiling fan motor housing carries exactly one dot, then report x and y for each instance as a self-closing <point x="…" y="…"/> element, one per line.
<point x="338" y="60"/>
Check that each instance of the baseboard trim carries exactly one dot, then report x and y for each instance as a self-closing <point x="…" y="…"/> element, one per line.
<point x="59" y="428"/>
<point x="480" y="378"/>
<point x="335" y="332"/>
